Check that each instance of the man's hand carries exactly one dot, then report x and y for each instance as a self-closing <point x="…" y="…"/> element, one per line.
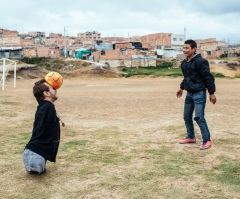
<point x="212" y="98"/>
<point x="179" y="93"/>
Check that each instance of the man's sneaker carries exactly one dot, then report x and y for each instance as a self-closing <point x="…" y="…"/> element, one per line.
<point x="187" y="141"/>
<point x="205" y="145"/>
<point x="38" y="173"/>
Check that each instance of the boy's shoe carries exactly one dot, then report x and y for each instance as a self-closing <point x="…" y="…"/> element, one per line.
<point x="187" y="141"/>
<point x="206" y="145"/>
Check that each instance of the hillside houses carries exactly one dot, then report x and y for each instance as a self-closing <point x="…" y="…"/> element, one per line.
<point x="118" y="50"/>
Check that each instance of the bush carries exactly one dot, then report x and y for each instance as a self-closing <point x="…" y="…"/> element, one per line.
<point x="165" y="64"/>
<point x="220" y="75"/>
<point x="33" y="60"/>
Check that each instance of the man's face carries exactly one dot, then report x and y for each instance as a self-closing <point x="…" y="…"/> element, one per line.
<point x="51" y="94"/>
<point x="188" y="51"/>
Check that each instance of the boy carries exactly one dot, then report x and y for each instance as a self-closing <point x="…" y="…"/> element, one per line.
<point x="44" y="142"/>
<point x="197" y="79"/>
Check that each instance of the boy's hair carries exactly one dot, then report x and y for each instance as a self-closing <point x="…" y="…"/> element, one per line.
<point x="38" y="89"/>
<point x="191" y="42"/>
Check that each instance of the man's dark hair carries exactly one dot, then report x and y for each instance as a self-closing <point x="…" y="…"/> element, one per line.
<point x="191" y="42"/>
<point x="38" y="89"/>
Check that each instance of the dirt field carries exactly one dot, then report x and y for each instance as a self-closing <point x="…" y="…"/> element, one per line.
<point x="121" y="141"/>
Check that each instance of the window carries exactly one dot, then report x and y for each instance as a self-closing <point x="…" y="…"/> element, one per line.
<point x="174" y="39"/>
<point x="124" y="52"/>
<point x="102" y="52"/>
<point x="208" y="52"/>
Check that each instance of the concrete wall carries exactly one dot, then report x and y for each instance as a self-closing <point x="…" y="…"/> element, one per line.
<point x="10" y="40"/>
<point x="41" y="52"/>
<point x="58" y="41"/>
<point x="123" y="45"/>
<point x="8" y="33"/>
<point x="129" y="63"/>
<point x="114" y="54"/>
<point x="158" y="39"/>
<point x="54" y="52"/>
<point x="25" y="42"/>
<point x="30" y="52"/>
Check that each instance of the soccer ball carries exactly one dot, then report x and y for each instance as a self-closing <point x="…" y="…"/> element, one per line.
<point x="54" y="79"/>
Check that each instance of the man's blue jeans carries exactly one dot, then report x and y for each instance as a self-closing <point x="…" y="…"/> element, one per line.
<point x="196" y="101"/>
<point x="33" y="162"/>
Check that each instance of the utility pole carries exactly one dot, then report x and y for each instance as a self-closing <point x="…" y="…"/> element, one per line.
<point x="65" y="48"/>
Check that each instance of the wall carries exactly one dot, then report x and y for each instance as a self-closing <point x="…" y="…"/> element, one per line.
<point x="10" y="40"/>
<point x="123" y="45"/>
<point x="158" y="39"/>
<point x="54" y="52"/>
<point x="130" y="63"/>
<point x="114" y="54"/>
<point x="30" y="52"/>
<point x="8" y="33"/>
<point x="25" y="42"/>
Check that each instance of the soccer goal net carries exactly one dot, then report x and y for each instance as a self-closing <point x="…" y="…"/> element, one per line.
<point x="5" y="66"/>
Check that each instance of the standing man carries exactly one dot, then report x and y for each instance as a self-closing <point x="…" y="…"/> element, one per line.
<point x="197" y="79"/>
<point x="45" y="139"/>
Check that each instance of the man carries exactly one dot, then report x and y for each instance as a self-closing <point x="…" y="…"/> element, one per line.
<point x="45" y="139"/>
<point x="197" y="79"/>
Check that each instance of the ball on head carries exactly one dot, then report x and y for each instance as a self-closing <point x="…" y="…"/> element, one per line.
<point x="54" y="79"/>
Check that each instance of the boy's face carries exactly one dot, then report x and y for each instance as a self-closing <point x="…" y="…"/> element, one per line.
<point x="188" y="51"/>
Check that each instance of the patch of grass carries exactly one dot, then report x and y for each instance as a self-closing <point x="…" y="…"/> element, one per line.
<point x="10" y="103"/>
<point x="24" y="137"/>
<point x="3" y="113"/>
<point x="170" y="163"/>
<point x="153" y="71"/>
<point x="71" y="144"/>
<point x="219" y="75"/>
<point x="72" y="133"/>
<point x="105" y="152"/>
<point x="227" y="172"/>
<point x="108" y="155"/>
<point x="175" y="128"/>
<point x="13" y="142"/>
<point x="160" y="71"/>
<point x="91" y="169"/>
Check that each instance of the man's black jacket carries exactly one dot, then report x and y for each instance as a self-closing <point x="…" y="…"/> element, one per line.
<point x="46" y="131"/>
<point x="197" y="75"/>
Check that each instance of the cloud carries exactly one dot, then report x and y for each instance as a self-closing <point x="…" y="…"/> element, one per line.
<point x="202" y="19"/>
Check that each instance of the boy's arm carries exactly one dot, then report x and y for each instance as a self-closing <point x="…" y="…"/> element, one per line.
<point x="207" y="77"/>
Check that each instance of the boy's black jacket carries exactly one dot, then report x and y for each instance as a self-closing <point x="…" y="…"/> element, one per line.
<point x="197" y="75"/>
<point x="46" y="131"/>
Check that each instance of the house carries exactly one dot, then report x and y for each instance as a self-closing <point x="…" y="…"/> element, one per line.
<point x="211" y="48"/>
<point x="164" y="45"/>
<point x="14" y="52"/>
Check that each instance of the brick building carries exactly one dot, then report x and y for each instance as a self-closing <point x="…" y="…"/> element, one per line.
<point x="94" y="35"/>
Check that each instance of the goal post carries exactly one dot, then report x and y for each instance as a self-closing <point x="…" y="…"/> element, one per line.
<point x="5" y="69"/>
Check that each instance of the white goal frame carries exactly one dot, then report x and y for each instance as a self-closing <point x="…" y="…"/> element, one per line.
<point x="5" y="71"/>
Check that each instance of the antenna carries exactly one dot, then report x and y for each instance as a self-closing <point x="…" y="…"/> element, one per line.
<point x="185" y="33"/>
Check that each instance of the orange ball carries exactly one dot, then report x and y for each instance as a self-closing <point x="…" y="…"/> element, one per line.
<point x="54" y="79"/>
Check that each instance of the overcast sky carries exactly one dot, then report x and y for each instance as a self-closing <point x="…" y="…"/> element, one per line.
<point x="202" y="19"/>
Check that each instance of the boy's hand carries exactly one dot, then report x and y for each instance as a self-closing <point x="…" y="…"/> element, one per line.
<point x="179" y="93"/>
<point x="212" y="98"/>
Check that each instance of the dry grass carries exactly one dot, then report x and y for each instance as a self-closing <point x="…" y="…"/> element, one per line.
<point x="121" y="141"/>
